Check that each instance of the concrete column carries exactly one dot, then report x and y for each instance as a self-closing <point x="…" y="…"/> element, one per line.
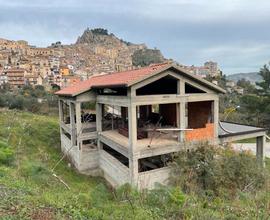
<point x="216" y="118"/>
<point x="260" y="149"/>
<point x="98" y="122"/>
<point x="78" y="118"/>
<point x="72" y="123"/>
<point x="181" y="87"/>
<point x="132" y="133"/>
<point x="99" y="117"/>
<point x="182" y="120"/>
<point x="60" y="105"/>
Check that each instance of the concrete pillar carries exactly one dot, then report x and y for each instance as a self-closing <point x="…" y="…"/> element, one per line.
<point x="98" y="122"/>
<point x="181" y="87"/>
<point x="99" y="117"/>
<point x="72" y="123"/>
<point x="181" y="110"/>
<point x="78" y="118"/>
<point x="182" y="120"/>
<point x="260" y="149"/>
<point x="216" y="118"/>
<point x="132" y="133"/>
<point x="60" y="105"/>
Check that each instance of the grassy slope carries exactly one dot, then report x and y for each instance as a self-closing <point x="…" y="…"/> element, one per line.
<point x="28" y="189"/>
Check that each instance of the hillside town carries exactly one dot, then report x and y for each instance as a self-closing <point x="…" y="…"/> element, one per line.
<point x="63" y="65"/>
<point x="96" y="52"/>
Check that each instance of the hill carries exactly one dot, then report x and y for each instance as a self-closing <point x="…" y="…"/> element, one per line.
<point x="95" y="51"/>
<point x="252" y="77"/>
<point x="115" y="50"/>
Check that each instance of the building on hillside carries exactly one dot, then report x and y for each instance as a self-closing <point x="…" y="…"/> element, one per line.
<point x="213" y="68"/>
<point x="64" y="71"/>
<point x="141" y="118"/>
<point x="239" y="90"/>
<point x="3" y="77"/>
<point x="209" y="68"/>
<point x="230" y="84"/>
<point x="3" y="60"/>
<point x="32" y="80"/>
<point x="69" y="80"/>
<point x="16" y="77"/>
<point x="40" y="52"/>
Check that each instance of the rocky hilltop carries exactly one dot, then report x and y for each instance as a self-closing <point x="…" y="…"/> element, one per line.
<point x="114" y="51"/>
<point x="99" y="36"/>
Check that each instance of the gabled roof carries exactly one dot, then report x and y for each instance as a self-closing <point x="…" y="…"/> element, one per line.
<point x="129" y="78"/>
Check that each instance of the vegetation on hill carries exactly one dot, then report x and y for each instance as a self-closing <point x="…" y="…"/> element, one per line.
<point x="253" y="77"/>
<point x="33" y="99"/>
<point x="100" y="31"/>
<point x="145" y="57"/>
<point x="252" y="107"/>
<point x="255" y="106"/>
<point x="30" y="147"/>
<point x="97" y="36"/>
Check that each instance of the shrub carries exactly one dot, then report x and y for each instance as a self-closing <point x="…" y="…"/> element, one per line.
<point x="37" y="172"/>
<point x="16" y="103"/>
<point x="2" y="101"/>
<point x="214" y="171"/>
<point x="6" y="154"/>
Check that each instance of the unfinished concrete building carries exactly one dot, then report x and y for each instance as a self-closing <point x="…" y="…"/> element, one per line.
<point x="126" y="125"/>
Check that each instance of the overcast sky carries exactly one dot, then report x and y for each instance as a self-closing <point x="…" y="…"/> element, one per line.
<point x="235" y="33"/>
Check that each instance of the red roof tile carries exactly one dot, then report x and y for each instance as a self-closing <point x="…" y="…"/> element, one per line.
<point x="128" y="78"/>
<point x="114" y="79"/>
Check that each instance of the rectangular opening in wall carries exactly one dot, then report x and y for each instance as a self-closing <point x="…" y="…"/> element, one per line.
<point x="160" y="120"/>
<point x="90" y="144"/>
<point x="116" y="91"/>
<point x="88" y="116"/>
<point x="120" y="157"/>
<point x="66" y="113"/>
<point x="114" y="118"/>
<point x="199" y="114"/>
<point x="155" y="162"/>
<point x="201" y="121"/>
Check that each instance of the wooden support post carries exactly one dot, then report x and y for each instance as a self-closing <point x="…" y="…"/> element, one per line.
<point x="132" y="133"/>
<point x="260" y="149"/>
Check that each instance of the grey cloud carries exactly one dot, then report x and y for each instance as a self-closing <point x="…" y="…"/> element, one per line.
<point x="234" y="33"/>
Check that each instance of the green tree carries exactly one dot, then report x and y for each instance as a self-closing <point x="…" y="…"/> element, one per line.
<point x="246" y="85"/>
<point x="265" y="84"/>
<point x="256" y="107"/>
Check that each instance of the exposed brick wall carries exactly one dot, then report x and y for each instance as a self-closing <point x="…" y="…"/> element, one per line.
<point x="201" y="134"/>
